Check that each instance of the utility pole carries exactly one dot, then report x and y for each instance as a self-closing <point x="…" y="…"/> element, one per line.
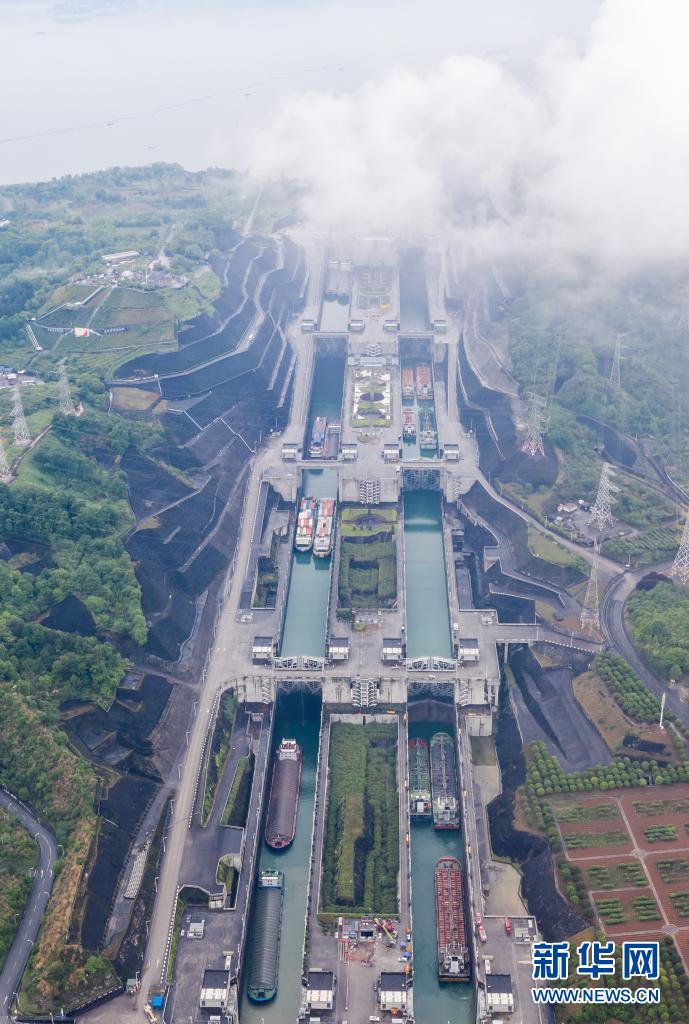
<point x="21" y="431"/>
<point x="5" y="474"/>
<point x="601" y="512"/>
<point x="615" y="379"/>
<point x="66" y="403"/>
<point x="533" y="442"/>
<point x="680" y="566"/>
<point x="590" y="612"/>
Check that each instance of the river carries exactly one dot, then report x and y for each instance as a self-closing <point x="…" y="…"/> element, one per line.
<point x="298" y="717"/>
<point x="306" y="617"/>
<point x="428" y="612"/>
<point x="433" y="1003"/>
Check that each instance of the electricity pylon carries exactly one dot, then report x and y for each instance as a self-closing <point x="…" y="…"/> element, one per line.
<point x="535" y="425"/>
<point x="5" y="474"/>
<point x="601" y="512"/>
<point x="21" y="431"/>
<point x="615" y="379"/>
<point x="680" y="566"/>
<point x="590" y="612"/>
<point x="66" y="403"/>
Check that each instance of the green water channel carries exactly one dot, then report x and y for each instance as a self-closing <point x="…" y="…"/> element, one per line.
<point x="427" y="608"/>
<point x="298" y="717"/>
<point x="411" y="449"/>
<point x="433" y="1003"/>
<point x="306" y="617"/>
<point x="327" y="388"/>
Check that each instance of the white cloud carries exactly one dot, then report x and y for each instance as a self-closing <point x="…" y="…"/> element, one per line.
<point x="586" y="157"/>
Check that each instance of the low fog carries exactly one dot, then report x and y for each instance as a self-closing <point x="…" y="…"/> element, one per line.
<point x="579" y="156"/>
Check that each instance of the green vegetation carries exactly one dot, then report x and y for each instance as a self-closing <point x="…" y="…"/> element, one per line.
<point x="18" y="855"/>
<point x="659" y="620"/>
<point x="569" y="812"/>
<point x="610" y="910"/>
<point x="616" y="876"/>
<point x="584" y="840"/>
<point x="673" y="870"/>
<point x="644" y="548"/>
<point x="549" y="550"/>
<point x="661" y="833"/>
<point x="361" y="849"/>
<point x="368" y="558"/>
<point x="237" y="806"/>
<point x="680" y="903"/>
<point x="635" y="699"/>
<point x="218" y="750"/>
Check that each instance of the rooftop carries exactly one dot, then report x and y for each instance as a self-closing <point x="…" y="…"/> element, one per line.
<point x="499" y="983"/>
<point x="394" y="981"/>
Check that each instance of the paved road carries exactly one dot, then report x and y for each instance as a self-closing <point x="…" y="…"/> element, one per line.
<point x="612" y="624"/>
<point x="35" y="908"/>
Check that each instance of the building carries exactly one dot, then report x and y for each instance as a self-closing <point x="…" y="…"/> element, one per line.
<point x="215" y="990"/>
<point x="120" y="257"/>
<point x="349" y="451"/>
<point x="452" y="452"/>
<point x="392" y="991"/>
<point x="338" y="648"/>
<point x="391" y="452"/>
<point x="262" y="650"/>
<point x="320" y="990"/>
<point x="393" y="648"/>
<point x="469" y="649"/>
<point x="499" y="995"/>
<point x="290" y="452"/>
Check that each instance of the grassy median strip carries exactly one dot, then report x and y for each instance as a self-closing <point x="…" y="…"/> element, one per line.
<point x="219" y="749"/>
<point x="361" y="852"/>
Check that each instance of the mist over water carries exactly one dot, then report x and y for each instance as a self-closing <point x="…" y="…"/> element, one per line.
<point x="176" y="80"/>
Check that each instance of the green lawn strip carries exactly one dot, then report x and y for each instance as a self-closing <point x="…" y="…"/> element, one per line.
<point x="237" y="805"/>
<point x="217" y="752"/>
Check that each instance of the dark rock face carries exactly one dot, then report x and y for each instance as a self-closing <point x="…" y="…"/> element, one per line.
<point x="71" y="616"/>
<point x="556" y="919"/>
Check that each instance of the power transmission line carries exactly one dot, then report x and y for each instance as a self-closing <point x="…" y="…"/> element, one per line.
<point x="590" y="612"/>
<point x="601" y="511"/>
<point x="21" y="431"/>
<point x="680" y="566"/>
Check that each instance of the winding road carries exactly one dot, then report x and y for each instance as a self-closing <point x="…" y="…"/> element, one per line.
<point x="27" y="931"/>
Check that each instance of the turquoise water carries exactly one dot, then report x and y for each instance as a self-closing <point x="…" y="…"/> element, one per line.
<point x="428" y="613"/>
<point x="298" y="718"/>
<point x="327" y="388"/>
<point x="306" y="618"/>
<point x="433" y="1003"/>
<point x="413" y="296"/>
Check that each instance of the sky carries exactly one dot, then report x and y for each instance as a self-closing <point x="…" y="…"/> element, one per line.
<point x="554" y="127"/>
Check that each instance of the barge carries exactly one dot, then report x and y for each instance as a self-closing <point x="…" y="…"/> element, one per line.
<point x="325" y="528"/>
<point x="318" y="438"/>
<point x="408" y="389"/>
<point x="264" y="951"/>
<point x="428" y="435"/>
<point x="424" y="381"/>
<point x="420" y="804"/>
<point x="444" y="790"/>
<point x="281" y="822"/>
<point x="408" y="424"/>
<point x="306" y="518"/>
<point x="454" y="958"/>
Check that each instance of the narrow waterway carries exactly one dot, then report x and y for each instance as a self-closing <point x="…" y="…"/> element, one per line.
<point x="327" y="388"/>
<point x="412" y="449"/>
<point x="334" y="316"/>
<point x="428" y="613"/>
<point x="298" y="718"/>
<point x="433" y="1003"/>
<point x="306" y="617"/>
<point x="413" y="295"/>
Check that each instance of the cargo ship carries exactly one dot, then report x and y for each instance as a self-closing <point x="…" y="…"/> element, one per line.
<point x="424" y="381"/>
<point x="454" y="958"/>
<point x="408" y="424"/>
<point x="264" y="951"/>
<point x="325" y="528"/>
<point x="283" y="801"/>
<point x="318" y="436"/>
<point x="408" y="389"/>
<point x="306" y="519"/>
<point x="420" y="805"/>
<point x="428" y="435"/>
<point x="444" y="781"/>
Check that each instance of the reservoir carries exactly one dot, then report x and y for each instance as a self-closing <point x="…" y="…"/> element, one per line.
<point x="298" y="718"/>
<point x="433" y="1002"/>
<point x="306" y="617"/>
<point x="428" y="612"/>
